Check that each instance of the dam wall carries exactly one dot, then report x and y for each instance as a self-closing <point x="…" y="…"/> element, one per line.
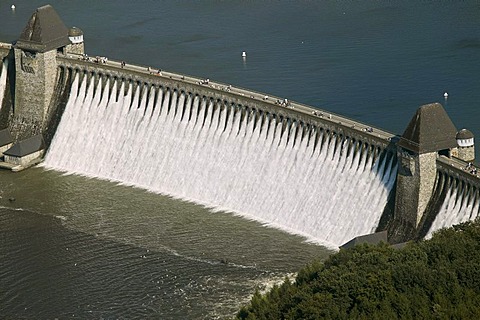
<point x="456" y="197"/>
<point x="287" y="165"/>
<point x="450" y="183"/>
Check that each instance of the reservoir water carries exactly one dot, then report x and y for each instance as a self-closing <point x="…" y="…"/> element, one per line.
<point x="77" y="247"/>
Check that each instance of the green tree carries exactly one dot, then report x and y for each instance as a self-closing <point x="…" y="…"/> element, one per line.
<point x="434" y="279"/>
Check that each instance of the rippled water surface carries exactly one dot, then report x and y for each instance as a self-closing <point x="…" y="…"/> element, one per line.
<point x="73" y="246"/>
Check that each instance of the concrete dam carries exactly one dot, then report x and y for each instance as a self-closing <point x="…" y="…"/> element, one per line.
<point x="285" y="164"/>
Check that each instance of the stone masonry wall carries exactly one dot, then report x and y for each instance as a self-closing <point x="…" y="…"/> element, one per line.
<point x="34" y="86"/>
<point x="466" y="153"/>
<point x="415" y="183"/>
<point x="23" y="161"/>
<point x="428" y="172"/>
<point x="76" y="48"/>
<point x="50" y="81"/>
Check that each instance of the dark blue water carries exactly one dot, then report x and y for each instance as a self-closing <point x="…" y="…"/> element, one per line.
<point x="374" y="61"/>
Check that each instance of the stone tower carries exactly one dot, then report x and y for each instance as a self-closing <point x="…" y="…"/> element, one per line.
<point x="76" y="46"/>
<point x="35" y="70"/>
<point x="429" y="134"/>
<point x="466" y="145"/>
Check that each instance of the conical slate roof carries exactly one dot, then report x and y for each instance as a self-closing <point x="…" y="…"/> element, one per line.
<point x="464" y="134"/>
<point x="75" y="32"/>
<point x="430" y="130"/>
<point x="26" y="147"/>
<point x="45" y="31"/>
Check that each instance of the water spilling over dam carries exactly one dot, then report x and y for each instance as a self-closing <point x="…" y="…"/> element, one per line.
<point x="3" y="80"/>
<point x="288" y="165"/>
<point x="286" y="175"/>
<point x="458" y="202"/>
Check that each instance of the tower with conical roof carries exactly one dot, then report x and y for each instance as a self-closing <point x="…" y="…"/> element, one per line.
<point x="35" y="70"/>
<point x="466" y="145"/>
<point x="76" y="46"/>
<point x="429" y="134"/>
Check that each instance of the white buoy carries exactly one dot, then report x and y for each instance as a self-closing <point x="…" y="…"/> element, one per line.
<point x="244" y="54"/>
<point x="13" y="7"/>
<point x="445" y="95"/>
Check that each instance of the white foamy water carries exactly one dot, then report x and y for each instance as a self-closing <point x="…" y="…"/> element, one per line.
<point x="460" y="205"/>
<point x="184" y="146"/>
<point x="3" y="80"/>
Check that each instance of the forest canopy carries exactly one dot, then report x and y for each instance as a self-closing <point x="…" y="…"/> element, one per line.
<point x="431" y="279"/>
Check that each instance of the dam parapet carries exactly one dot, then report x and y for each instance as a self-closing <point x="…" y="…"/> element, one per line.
<point x="49" y="72"/>
<point x="147" y="77"/>
<point x="459" y="170"/>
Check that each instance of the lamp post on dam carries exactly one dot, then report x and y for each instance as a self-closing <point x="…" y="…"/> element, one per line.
<point x="47" y="56"/>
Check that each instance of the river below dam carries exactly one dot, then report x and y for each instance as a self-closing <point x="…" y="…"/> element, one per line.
<point x="74" y="247"/>
<point x="78" y="247"/>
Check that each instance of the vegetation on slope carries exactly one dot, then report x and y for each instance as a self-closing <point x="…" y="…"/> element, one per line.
<point x="433" y="279"/>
